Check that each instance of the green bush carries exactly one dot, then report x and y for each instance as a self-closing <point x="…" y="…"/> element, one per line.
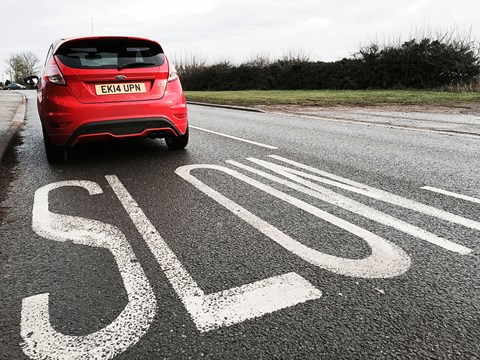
<point x="422" y="64"/>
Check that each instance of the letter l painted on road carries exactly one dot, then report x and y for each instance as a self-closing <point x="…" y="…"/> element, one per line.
<point x="224" y="308"/>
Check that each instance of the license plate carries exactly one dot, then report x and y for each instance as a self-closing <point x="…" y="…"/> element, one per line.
<point x="124" y="88"/>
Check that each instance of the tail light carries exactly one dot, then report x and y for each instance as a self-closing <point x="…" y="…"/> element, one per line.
<point x="53" y="74"/>
<point x="172" y="72"/>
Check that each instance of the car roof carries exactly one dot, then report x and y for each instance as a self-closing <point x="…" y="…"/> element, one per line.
<point x="56" y="44"/>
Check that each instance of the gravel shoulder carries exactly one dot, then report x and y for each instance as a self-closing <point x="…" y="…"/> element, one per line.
<point x="460" y="120"/>
<point x="457" y="109"/>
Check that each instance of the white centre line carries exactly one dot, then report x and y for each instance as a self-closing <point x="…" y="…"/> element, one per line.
<point x="235" y="138"/>
<point x="452" y="194"/>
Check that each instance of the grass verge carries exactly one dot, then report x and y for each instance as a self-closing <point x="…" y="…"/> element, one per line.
<point x="335" y="97"/>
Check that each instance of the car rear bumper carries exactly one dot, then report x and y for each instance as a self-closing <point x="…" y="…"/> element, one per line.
<point x="68" y="122"/>
<point x="118" y="129"/>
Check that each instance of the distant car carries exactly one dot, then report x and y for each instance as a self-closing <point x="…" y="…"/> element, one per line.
<point x="15" y="86"/>
<point x="100" y="88"/>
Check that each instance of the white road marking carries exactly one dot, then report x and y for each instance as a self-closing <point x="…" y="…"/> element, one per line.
<point x="379" y="194"/>
<point x="327" y="195"/>
<point x="40" y="339"/>
<point x="235" y="138"/>
<point x="222" y="308"/>
<point x="452" y="194"/>
<point x="386" y="259"/>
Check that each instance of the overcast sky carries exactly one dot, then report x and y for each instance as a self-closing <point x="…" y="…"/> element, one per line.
<point x="236" y="29"/>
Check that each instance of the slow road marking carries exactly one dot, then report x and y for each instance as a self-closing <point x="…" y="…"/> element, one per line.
<point x="230" y="306"/>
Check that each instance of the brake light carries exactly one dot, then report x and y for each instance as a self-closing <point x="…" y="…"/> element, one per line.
<point x="53" y="75"/>
<point x="172" y="72"/>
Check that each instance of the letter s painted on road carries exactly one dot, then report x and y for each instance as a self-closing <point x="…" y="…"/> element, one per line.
<point x="41" y="340"/>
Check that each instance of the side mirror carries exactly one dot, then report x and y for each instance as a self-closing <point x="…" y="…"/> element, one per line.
<point x="31" y="80"/>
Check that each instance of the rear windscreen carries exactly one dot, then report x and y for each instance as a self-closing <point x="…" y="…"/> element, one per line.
<point x="110" y="54"/>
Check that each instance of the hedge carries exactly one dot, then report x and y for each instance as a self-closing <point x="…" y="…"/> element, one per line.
<point x="418" y="64"/>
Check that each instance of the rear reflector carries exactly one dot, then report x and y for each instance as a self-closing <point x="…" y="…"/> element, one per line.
<point x="181" y="116"/>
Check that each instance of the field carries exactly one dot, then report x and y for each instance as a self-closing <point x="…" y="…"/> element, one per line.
<point x="336" y="97"/>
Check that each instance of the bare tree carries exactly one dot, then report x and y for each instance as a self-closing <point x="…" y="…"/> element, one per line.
<point x="187" y="64"/>
<point x="261" y="61"/>
<point x="21" y="65"/>
<point x="295" y="55"/>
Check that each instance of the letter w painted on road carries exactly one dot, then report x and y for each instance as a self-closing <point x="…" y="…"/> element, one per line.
<point x="300" y="183"/>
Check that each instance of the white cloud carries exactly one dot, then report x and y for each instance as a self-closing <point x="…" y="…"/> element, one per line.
<point x="234" y="29"/>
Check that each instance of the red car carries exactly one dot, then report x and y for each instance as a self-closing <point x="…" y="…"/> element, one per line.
<point x="99" y="88"/>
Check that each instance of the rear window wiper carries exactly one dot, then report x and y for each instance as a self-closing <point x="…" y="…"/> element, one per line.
<point x="136" y="64"/>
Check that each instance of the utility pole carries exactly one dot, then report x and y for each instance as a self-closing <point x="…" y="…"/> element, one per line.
<point x="92" y="26"/>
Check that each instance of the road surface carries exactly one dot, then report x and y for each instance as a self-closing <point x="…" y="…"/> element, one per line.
<point x="270" y="236"/>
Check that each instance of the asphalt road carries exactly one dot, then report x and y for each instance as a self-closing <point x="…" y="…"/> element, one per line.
<point x="329" y="249"/>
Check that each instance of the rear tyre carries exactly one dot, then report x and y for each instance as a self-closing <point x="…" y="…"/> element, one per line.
<point x="55" y="154"/>
<point x="177" y="142"/>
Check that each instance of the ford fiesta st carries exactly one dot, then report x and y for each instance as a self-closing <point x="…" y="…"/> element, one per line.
<point x="100" y="88"/>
